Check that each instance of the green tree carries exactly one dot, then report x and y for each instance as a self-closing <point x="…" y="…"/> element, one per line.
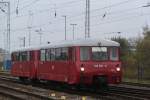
<point x="127" y="58"/>
<point x="143" y="54"/>
<point x="143" y="48"/>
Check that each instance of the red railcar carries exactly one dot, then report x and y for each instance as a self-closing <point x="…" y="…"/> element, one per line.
<point x="75" y="62"/>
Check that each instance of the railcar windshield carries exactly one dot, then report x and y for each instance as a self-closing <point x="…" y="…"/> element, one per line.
<point x="99" y="53"/>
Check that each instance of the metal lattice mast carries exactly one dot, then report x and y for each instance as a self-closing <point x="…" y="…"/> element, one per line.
<point x="8" y="23"/>
<point x="87" y="19"/>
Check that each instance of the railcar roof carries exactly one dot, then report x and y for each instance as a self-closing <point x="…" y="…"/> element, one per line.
<point x="69" y="43"/>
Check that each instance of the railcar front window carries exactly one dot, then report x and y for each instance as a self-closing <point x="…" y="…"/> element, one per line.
<point x="114" y="54"/>
<point x="99" y="53"/>
<point x="84" y="53"/>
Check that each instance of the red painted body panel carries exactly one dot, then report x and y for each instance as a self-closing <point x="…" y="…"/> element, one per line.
<point x="107" y="69"/>
<point x="25" y="68"/>
<point x="53" y="71"/>
<point x="67" y="71"/>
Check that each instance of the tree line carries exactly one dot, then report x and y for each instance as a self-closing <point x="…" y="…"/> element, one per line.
<point x="135" y="55"/>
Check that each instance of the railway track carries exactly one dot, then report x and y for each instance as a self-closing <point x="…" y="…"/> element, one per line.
<point x="137" y="84"/>
<point x="28" y="92"/>
<point x="22" y="92"/>
<point x="131" y="92"/>
<point x="120" y="92"/>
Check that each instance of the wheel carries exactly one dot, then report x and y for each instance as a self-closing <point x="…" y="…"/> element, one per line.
<point x="24" y="80"/>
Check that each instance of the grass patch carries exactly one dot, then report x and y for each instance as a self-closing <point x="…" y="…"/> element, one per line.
<point x="136" y="81"/>
<point x="130" y="74"/>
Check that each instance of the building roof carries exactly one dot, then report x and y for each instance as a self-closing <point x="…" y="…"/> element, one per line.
<point x="70" y="43"/>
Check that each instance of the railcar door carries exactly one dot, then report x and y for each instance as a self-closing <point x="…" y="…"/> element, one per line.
<point x="15" y="69"/>
<point x="24" y="63"/>
<point x="72" y="69"/>
<point x="33" y="64"/>
<point x="42" y="70"/>
<point x="61" y="64"/>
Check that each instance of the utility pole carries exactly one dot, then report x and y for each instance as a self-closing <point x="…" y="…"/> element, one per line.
<point x="30" y="26"/>
<point x="8" y="26"/>
<point x="22" y="39"/>
<point x="65" y="26"/>
<point x="8" y="22"/>
<point x="40" y="34"/>
<point x="73" y="26"/>
<point x="7" y="56"/>
<point x="87" y="19"/>
<point x="5" y="41"/>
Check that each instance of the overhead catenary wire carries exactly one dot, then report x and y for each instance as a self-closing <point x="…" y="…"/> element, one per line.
<point x="94" y="16"/>
<point x="68" y="18"/>
<point x="81" y="27"/>
<point x="80" y="14"/>
<point x="110" y="13"/>
<point x="110" y="21"/>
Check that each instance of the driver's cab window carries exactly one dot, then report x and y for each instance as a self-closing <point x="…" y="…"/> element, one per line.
<point x="114" y="54"/>
<point x="99" y="53"/>
<point x="84" y="53"/>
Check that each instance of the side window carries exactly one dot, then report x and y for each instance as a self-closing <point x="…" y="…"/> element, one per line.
<point x="48" y="57"/>
<point x="28" y="55"/>
<point x="24" y="56"/>
<point x="17" y="56"/>
<point x="64" y="54"/>
<point x="73" y="54"/>
<point x="14" y="58"/>
<point x="42" y="55"/>
<point x="114" y="54"/>
<point x="84" y="53"/>
<point x="20" y="56"/>
<point x="58" y="54"/>
<point x="52" y="54"/>
<point x="31" y="57"/>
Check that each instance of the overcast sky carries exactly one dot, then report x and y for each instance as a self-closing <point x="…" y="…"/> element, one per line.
<point x="107" y="18"/>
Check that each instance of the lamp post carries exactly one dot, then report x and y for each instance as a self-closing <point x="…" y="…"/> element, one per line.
<point x="73" y="28"/>
<point x="65" y="26"/>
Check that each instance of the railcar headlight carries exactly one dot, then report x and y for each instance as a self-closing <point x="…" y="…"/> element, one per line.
<point x="118" y="69"/>
<point x="82" y="69"/>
